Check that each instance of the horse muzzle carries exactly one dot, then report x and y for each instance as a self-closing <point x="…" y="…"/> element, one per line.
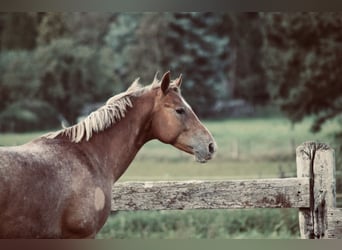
<point x="205" y="153"/>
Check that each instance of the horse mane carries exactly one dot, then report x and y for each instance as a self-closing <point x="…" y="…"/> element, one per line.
<point x="112" y="112"/>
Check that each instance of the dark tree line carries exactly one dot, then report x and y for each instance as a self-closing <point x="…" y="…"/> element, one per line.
<point x="303" y="58"/>
<point x="52" y="64"/>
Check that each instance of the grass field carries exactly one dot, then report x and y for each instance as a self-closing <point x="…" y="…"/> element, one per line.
<point x="248" y="148"/>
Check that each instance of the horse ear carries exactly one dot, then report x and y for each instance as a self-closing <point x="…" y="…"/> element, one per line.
<point x="165" y="82"/>
<point x="179" y="81"/>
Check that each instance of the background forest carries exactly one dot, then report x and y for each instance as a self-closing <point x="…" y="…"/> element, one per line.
<point x="262" y="82"/>
<point x="53" y="64"/>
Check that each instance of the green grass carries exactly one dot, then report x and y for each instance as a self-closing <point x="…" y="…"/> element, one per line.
<point x="13" y="139"/>
<point x="248" y="148"/>
<point x="199" y="224"/>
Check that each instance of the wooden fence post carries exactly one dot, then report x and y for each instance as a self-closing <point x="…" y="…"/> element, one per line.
<point x="316" y="161"/>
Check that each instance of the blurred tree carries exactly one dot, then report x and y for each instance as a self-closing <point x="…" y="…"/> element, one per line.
<point x="194" y="44"/>
<point x="27" y="115"/>
<point x="88" y="28"/>
<point x="303" y="55"/>
<point x="246" y="75"/>
<point x="20" y="110"/>
<point x="218" y="54"/>
<point x="3" y="17"/>
<point x="52" y="26"/>
<point x="72" y="75"/>
<point x="121" y="38"/>
<point x="18" y="31"/>
<point x="60" y="74"/>
<point x="199" y="49"/>
<point x="149" y="52"/>
<point x="17" y="77"/>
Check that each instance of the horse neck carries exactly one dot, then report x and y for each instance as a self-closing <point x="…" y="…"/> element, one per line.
<point x="116" y="147"/>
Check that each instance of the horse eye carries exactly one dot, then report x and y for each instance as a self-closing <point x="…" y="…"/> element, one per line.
<point x="180" y="111"/>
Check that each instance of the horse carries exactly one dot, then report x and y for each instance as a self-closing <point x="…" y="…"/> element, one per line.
<point x="59" y="184"/>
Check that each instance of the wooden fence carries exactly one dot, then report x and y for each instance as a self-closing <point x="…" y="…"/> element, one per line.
<point x="313" y="192"/>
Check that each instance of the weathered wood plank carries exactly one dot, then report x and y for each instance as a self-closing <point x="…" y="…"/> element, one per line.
<point x="261" y="193"/>
<point x="304" y="155"/>
<point x="324" y="188"/>
<point x="334" y="223"/>
<point x="317" y="162"/>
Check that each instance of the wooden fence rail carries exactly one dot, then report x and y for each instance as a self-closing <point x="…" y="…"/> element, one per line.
<point x="312" y="192"/>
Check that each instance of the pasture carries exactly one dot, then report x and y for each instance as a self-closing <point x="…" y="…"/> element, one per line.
<point x="248" y="148"/>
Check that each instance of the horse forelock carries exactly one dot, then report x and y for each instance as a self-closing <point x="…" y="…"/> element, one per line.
<point x="112" y="112"/>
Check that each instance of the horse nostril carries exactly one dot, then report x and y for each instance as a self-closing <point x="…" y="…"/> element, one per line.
<point x="211" y="148"/>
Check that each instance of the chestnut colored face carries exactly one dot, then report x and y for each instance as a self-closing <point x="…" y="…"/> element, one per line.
<point x="175" y="123"/>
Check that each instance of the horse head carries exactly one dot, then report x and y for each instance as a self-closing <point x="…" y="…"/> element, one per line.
<point x="174" y="122"/>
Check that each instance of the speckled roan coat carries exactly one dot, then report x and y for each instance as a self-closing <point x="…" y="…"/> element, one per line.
<point x="57" y="186"/>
